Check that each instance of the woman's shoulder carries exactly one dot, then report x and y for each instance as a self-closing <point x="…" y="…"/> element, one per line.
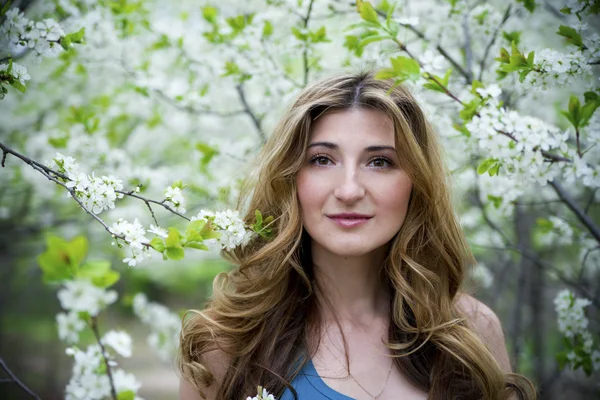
<point x="487" y="325"/>
<point x="217" y="362"/>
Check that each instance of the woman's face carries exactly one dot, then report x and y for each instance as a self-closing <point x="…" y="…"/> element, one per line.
<point x="353" y="194"/>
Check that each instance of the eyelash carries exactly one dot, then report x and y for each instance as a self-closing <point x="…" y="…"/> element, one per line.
<point x="316" y="157"/>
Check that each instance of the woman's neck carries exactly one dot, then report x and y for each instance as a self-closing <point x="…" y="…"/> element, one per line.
<point x="353" y="286"/>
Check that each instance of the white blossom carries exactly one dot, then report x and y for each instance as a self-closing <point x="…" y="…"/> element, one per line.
<point x="96" y="193"/>
<point x="175" y="199"/>
<point x="264" y="395"/>
<point x="69" y="326"/>
<point x="554" y="69"/>
<point x="432" y="63"/>
<point x="571" y="316"/>
<point x="229" y="225"/>
<point x="82" y="296"/>
<point x="120" y="341"/>
<point x="560" y="234"/>
<point x="125" y="381"/>
<point x="165" y="326"/>
<point x="158" y="231"/>
<point x="135" y="241"/>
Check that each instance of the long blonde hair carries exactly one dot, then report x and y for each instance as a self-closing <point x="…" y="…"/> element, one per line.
<point x="264" y="315"/>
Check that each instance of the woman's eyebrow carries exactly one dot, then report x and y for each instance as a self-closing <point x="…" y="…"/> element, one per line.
<point x="334" y="146"/>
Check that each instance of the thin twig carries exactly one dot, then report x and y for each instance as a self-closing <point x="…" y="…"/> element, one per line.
<point x="16" y="380"/>
<point x="468" y="48"/>
<point x="94" y="325"/>
<point x="439" y="48"/>
<point x="52" y="175"/>
<point x="146" y="200"/>
<point x="305" y="21"/>
<point x="488" y="47"/>
<point x="578" y="143"/>
<point x="256" y="120"/>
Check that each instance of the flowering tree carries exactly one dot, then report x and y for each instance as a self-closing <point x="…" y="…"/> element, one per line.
<point x="143" y="115"/>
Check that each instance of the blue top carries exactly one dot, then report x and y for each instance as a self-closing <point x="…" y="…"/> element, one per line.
<point x="310" y="386"/>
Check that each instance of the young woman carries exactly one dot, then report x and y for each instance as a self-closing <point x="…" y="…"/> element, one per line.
<point x="358" y="294"/>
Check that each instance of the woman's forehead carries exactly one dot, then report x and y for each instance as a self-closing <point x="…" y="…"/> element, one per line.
<point x="356" y="125"/>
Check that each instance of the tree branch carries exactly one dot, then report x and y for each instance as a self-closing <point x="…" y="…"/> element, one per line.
<point x="256" y="120"/>
<point x="468" y="48"/>
<point x="581" y="215"/>
<point x="52" y="175"/>
<point x="16" y="380"/>
<point x="94" y="325"/>
<point x="488" y="47"/>
<point x="305" y="52"/>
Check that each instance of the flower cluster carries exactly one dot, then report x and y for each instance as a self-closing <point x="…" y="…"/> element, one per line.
<point x="82" y="296"/>
<point x="515" y="140"/>
<point x="135" y="237"/>
<point x="229" y="225"/>
<point x="17" y="73"/>
<point x="164" y="324"/>
<point x="89" y="383"/>
<point x="42" y="36"/>
<point x="96" y="193"/>
<point x="175" y="199"/>
<point x="573" y="324"/>
<point x="554" y="69"/>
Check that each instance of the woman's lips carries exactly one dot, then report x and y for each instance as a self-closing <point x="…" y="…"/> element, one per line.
<point x="350" y="222"/>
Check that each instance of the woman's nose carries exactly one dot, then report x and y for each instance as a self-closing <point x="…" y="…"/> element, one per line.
<point x="349" y="188"/>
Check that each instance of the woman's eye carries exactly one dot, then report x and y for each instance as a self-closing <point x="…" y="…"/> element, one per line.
<point x="380" y="162"/>
<point x="320" y="160"/>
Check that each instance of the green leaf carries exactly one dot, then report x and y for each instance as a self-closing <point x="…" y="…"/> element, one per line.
<point x="78" y="248"/>
<point x="267" y="29"/>
<point x="210" y="14"/>
<point x="126" y="395"/>
<point x="258" y="216"/>
<point x="587" y="111"/>
<point x="531" y="58"/>
<point x="476" y="85"/>
<point x="196" y="245"/>
<point x="18" y="85"/>
<point x="300" y="35"/>
<point x="494" y="170"/>
<point x="589" y="96"/>
<point x="574" y="110"/>
<point x="5" y="8"/>
<point x="94" y="268"/>
<point x="485" y="165"/>
<point x="504" y="56"/>
<point x="106" y="280"/>
<point x="495" y="200"/>
<point x="368" y="13"/>
<point x="174" y="238"/>
<point x="528" y="4"/>
<point x="514" y="36"/>
<point x="406" y="68"/>
<point x="571" y="35"/>
<point x="174" y="249"/>
<point x="385" y="73"/>
<point x="79" y="36"/>
<point x="158" y="244"/>
<point x="175" y="253"/>
<point x="523" y="75"/>
<point x="54" y="267"/>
